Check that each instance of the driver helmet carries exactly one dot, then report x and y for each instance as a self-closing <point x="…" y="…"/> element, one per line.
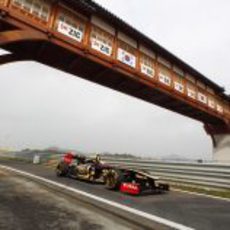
<point x="98" y="158"/>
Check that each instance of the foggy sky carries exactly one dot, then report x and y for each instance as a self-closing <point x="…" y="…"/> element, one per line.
<point x="42" y="107"/>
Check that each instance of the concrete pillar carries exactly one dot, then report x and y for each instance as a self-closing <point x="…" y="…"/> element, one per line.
<point x="221" y="142"/>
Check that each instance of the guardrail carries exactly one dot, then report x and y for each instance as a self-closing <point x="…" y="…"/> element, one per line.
<point x="203" y="174"/>
<point x="210" y="175"/>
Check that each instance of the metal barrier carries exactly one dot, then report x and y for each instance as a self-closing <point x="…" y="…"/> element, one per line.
<point x="211" y="175"/>
<point x="202" y="174"/>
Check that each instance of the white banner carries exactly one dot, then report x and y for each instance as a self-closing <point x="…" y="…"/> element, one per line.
<point x="70" y="31"/>
<point x="165" y="79"/>
<point x="147" y="70"/>
<point x="101" y="47"/>
<point x="126" y="58"/>
<point x="202" y="98"/>
<point x="211" y="104"/>
<point x="191" y="93"/>
<point x="220" y="108"/>
<point x="179" y="87"/>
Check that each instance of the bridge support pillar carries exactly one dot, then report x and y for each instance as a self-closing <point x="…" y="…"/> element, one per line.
<point x="221" y="142"/>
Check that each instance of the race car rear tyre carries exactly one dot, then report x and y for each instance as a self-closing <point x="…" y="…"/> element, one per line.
<point x="58" y="172"/>
<point x="61" y="170"/>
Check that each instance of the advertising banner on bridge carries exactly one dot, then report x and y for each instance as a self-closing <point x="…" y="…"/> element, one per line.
<point x="219" y="108"/>
<point x="126" y="58"/>
<point x="164" y="79"/>
<point x="211" y="103"/>
<point x="179" y="87"/>
<point x="101" y="47"/>
<point x="191" y="93"/>
<point x="147" y="70"/>
<point x="70" y="31"/>
<point x="202" y="98"/>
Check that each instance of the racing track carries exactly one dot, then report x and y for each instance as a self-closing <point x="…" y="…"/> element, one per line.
<point x="198" y="212"/>
<point x="27" y="205"/>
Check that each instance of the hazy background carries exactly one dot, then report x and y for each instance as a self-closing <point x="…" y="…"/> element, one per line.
<point x="42" y="107"/>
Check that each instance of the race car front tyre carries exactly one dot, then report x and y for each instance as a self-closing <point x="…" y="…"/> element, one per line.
<point x="58" y="172"/>
<point x="113" y="179"/>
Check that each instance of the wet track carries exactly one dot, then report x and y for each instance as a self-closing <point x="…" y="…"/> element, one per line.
<point x="194" y="211"/>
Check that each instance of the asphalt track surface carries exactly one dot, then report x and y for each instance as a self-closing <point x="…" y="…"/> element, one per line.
<point x="27" y="205"/>
<point x="198" y="212"/>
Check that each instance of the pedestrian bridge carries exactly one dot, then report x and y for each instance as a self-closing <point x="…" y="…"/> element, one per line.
<point x="84" y="39"/>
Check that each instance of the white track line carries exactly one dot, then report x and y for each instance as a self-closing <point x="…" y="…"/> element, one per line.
<point x="201" y="194"/>
<point x="148" y="216"/>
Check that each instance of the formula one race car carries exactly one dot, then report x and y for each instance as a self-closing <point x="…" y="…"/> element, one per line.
<point x="133" y="181"/>
<point x="124" y="179"/>
<point x="80" y="167"/>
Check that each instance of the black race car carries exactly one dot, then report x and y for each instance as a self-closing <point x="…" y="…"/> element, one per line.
<point x="124" y="179"/>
